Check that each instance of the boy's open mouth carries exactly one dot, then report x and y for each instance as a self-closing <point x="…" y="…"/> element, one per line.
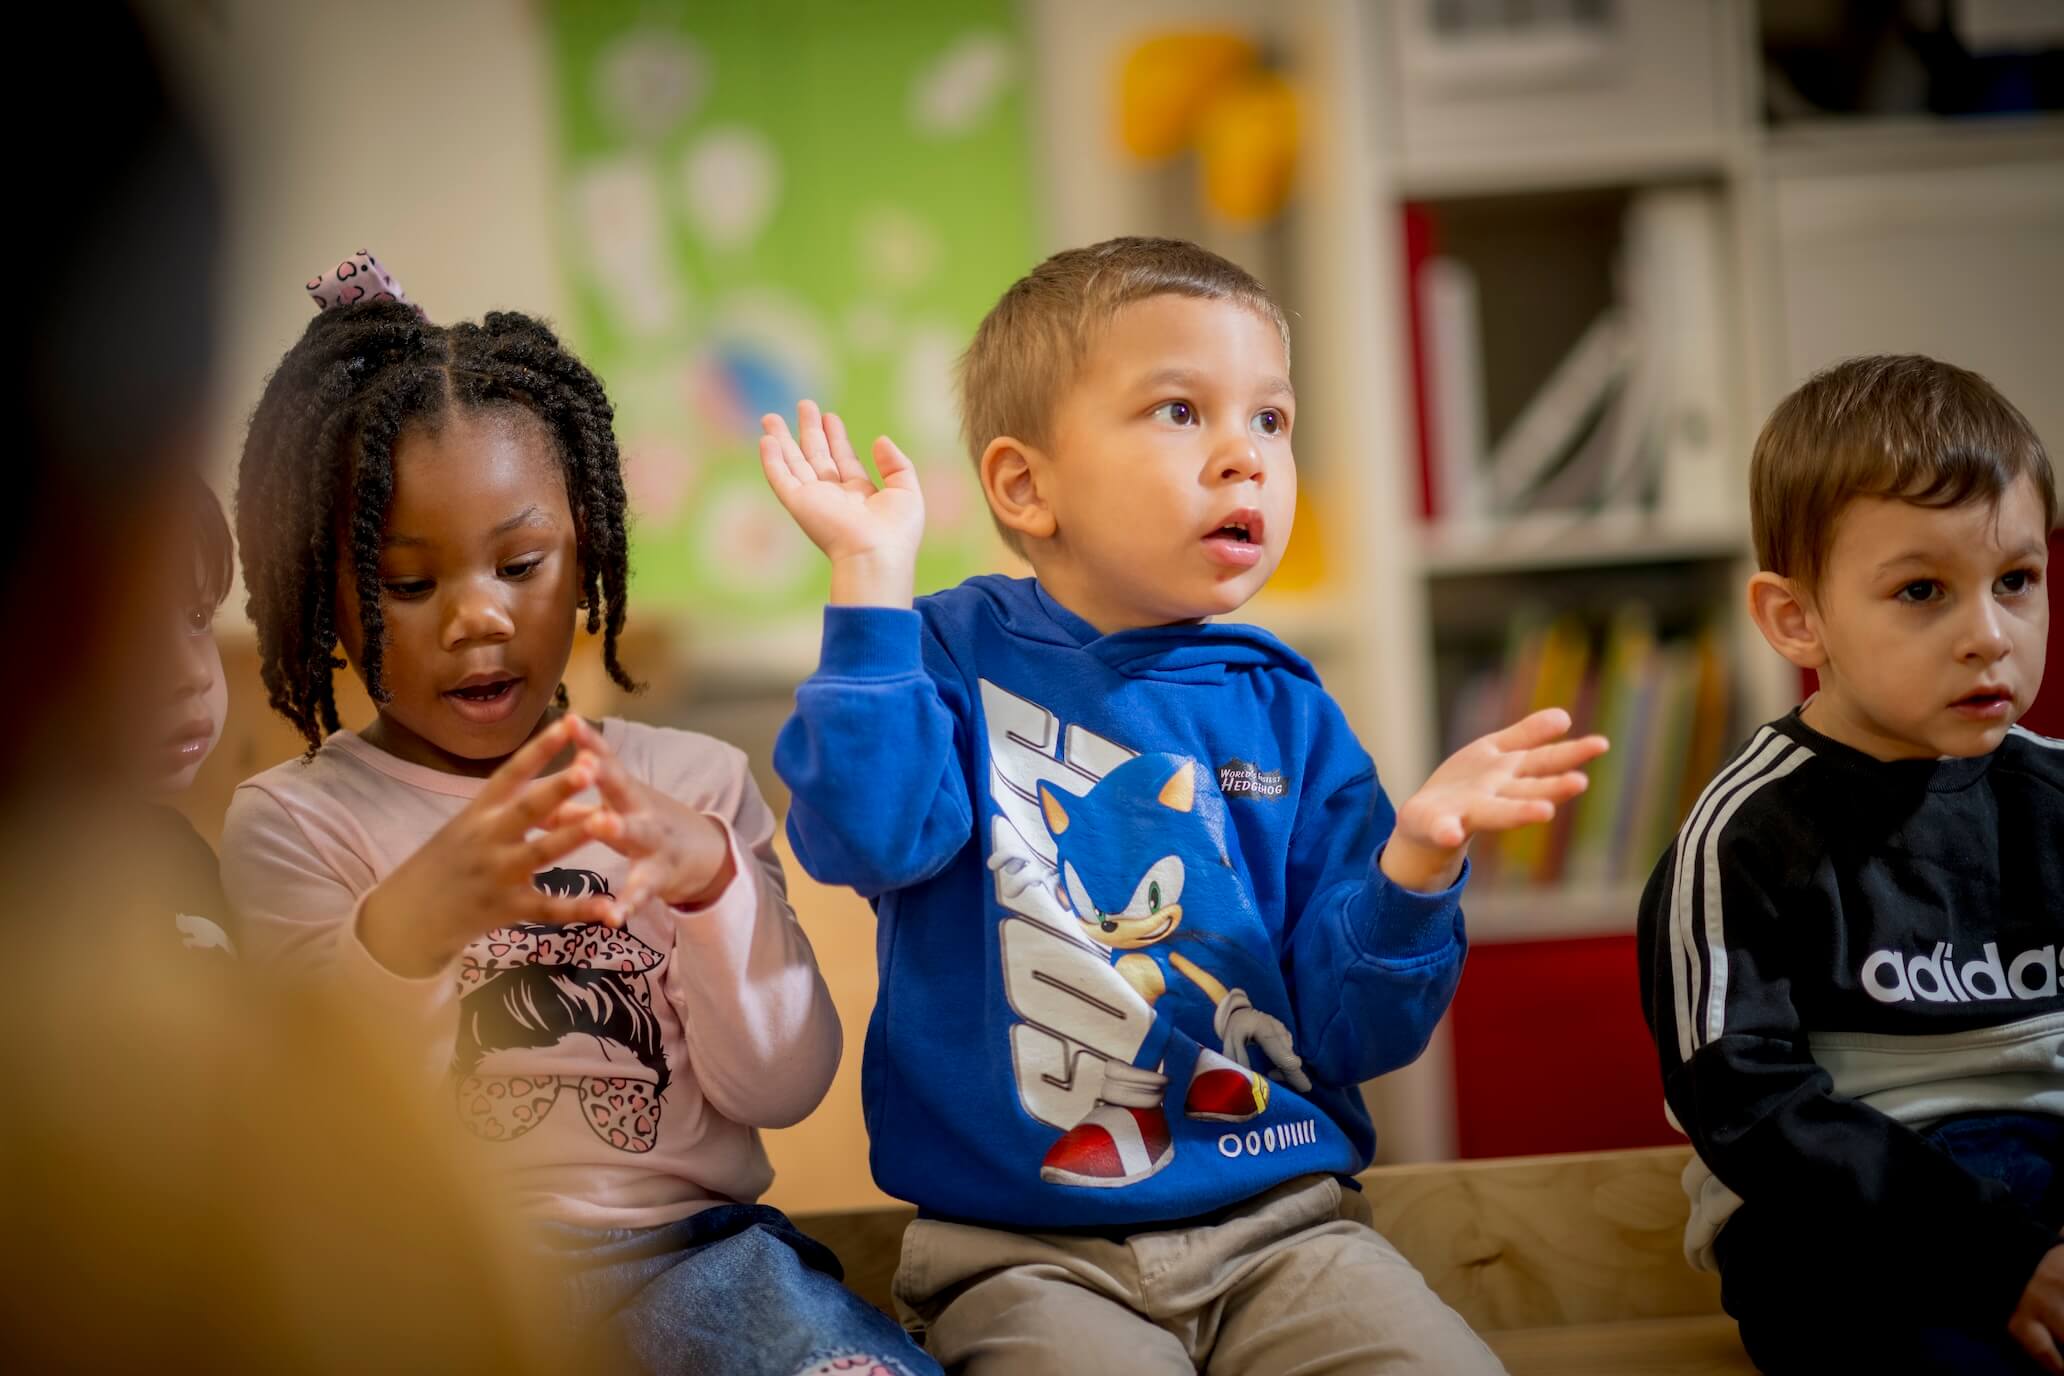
<point x="1236" y="541"/>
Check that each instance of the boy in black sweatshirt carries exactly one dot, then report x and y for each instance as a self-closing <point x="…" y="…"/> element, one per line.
<point x="1851" y="954"/>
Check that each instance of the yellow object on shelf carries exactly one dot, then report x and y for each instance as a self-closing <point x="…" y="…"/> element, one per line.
<point x="1304" y="559"/>
<point x="1247" y="148"/>
<point x="1168" y="82"/>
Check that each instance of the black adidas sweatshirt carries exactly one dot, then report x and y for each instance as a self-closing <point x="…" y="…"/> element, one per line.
<point x="1837" y="950"/>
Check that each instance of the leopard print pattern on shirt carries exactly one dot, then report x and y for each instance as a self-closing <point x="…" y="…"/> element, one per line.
<point x="533" y="988"/>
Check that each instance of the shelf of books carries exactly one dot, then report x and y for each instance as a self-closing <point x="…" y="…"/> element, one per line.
<point x="1624" y="231"/>
<point x="1653" y="681"/>
<point x="1583" y="529"/>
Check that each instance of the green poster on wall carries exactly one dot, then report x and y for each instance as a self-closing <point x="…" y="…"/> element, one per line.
<point x="773" y="200"/>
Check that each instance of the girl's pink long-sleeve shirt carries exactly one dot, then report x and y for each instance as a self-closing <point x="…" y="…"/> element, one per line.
<point x="614" y="1077"/>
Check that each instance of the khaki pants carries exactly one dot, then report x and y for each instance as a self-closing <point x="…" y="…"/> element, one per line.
<point x="1294" y="1283"/>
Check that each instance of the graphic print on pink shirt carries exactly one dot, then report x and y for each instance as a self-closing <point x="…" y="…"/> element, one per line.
<point x="531" y="988"/>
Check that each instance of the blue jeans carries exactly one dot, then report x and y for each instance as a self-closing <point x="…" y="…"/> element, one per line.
<point x="736" y="1290"/>
<point x="1797" y="1314"/>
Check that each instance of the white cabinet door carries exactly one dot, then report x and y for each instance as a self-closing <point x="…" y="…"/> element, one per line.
<point x="1639" y="87"/>
<point x="1963" y="261"/>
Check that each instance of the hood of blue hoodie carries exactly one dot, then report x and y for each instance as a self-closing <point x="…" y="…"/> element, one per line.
<point x="1196" y="652"/>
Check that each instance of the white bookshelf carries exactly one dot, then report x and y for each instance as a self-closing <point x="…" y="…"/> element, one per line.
<point x="1841" y="147"/>
<point x="1959" y="234"/>
<point x="1622" y="160"/>
<point x="1548" y="542"/>
<point x="1686" y="110"/>
<point x="1674" y="105"/>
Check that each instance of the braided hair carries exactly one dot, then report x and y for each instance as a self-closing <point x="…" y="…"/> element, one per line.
<point x="317" y="479"/>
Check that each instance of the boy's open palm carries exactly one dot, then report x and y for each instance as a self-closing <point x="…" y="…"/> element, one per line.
<point x="826" y="489"/>
<point x="1511" y="778"/>
<point x="474" y="875"/>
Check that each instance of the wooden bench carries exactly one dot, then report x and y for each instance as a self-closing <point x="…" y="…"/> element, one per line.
<point x="1566" y="1264"/>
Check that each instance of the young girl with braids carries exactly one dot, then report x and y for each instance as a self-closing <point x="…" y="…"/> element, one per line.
<point x="583" y="922"/>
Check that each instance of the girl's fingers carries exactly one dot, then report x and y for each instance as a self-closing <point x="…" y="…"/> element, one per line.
<point x="810" y="435"/>
<point x="571" y="912"/>
<point x="545" y="847"/>
<point x="543" y="797"/>
<point x="588" y="737"/>
<point x="523" y="766"/>
<point x="616" y="784"/>
<point x="639" y="885"/>
<point x="613" y="830"/>
<point x="609" y="772"/>
<point x="1535" y="730"/>
<point x="850" y="469"/>
<point x="569" y="814"/>
<point x="631" y="836"/>
<point x="605" y="826"/>
<point x="1561" y="757"/>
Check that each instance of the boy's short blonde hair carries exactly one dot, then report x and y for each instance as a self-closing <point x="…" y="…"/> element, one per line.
<point x="1027" y="350"/>
<point x="1886" y="425"/>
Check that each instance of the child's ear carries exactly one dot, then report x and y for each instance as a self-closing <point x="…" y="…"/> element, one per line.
<point x="1012" y="474"/>
<point x="1786" y="617"/>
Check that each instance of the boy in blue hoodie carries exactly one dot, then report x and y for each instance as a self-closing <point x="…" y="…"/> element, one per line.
<point x="1147" y="919"/>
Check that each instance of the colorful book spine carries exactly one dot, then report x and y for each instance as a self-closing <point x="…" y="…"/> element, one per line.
<point x="1666" y="706"/>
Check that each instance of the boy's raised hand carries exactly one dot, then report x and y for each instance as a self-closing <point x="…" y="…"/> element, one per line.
<point x="870" y="533"/>
<point x="678" y="855"/>
<point x="1510" y="778"/>
<point x="474" y="875"/>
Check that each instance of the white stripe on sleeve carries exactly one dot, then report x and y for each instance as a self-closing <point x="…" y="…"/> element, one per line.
<point x="1684" y="965"/>
<point x="1716" y="935"/>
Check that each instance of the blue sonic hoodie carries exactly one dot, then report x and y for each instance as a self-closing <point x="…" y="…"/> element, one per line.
<point x="1136" y="954"/>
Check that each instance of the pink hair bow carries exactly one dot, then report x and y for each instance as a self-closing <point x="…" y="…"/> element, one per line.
<point x="358" y="278"/>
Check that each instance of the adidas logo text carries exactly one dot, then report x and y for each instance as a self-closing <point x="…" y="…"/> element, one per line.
<point x="1939" y="978"/>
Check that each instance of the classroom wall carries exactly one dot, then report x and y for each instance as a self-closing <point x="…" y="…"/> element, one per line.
<point x="420" y="131"/>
